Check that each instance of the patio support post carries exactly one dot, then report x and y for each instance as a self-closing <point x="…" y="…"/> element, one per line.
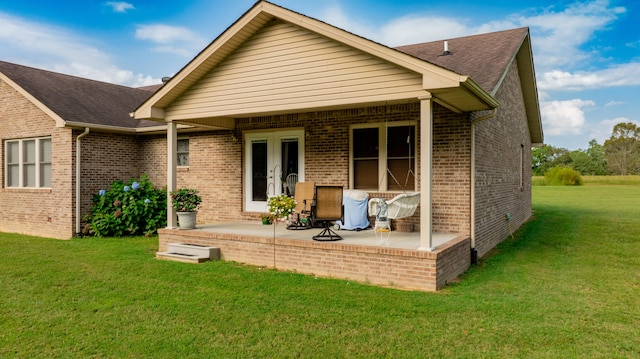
<point x="172" y="159"/>
<point x="426" y="160"/>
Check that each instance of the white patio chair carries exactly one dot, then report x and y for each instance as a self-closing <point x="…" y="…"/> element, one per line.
<point x="290" y="183"/>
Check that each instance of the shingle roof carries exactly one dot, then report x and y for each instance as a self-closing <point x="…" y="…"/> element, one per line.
<point x="483" y="57"/>
<point x="80" y="100"/>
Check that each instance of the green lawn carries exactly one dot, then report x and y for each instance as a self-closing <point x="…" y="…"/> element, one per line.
<point x="567" y="286"/>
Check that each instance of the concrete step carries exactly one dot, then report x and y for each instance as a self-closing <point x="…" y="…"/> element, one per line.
<point x="189" y="253"/>
<point x="177" y="257"/>
<point x="194" y="249"/>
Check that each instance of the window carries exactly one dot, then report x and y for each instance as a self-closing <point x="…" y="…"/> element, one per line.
<point x="183" y="152"/>
<point x="28" y="163"/>
<point x="383" y="157"/>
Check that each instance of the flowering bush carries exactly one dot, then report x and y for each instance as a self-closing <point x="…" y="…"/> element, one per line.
<point x="128" y="209"/>
<point x="281" y="207"/>
<point x="185" y="200"/>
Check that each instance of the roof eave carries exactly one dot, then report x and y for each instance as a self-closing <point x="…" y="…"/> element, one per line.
<point x="261" y="13"/>
<point x="44" y="108"/>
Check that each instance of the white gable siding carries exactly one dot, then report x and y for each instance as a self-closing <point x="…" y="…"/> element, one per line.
<point x="284" y="67"/>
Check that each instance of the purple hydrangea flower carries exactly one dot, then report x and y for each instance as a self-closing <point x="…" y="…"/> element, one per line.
<point x="102" y="192"/>
<point x="147" y="201"/>
<point x="127" y="188"/>
<point x="135" y="185"/>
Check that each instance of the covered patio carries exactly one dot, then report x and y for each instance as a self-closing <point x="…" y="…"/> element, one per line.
<point x="278" y="93"/>
<point x="360" y="256"/>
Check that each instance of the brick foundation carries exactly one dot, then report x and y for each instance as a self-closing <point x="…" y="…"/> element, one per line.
<point x="383" y="266"/>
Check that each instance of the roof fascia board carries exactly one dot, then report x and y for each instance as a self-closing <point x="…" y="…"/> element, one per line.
<point x="479" y="92"/>
<point x="433" y="76"/>
<point x="524" y="59"/>
<point x="146" y="110"/>
<point x="506" y="71"/>
<point x="59" y="120"/>
<point x="139" y="130"/>
<point x="106" y="128"/>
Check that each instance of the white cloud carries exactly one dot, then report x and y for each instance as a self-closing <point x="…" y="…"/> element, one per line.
<point x="602" y="131"/>
<point x="557" y="35"/>
<point x="56" y="49"/>
<point x="564" y="117"/>
<point x="171" y="39"/>
<point x="411" y="30"/>
<point x="120" y="6"/>
<point x="405" y="30"/>
<point x="614" y="103"/>
<point x="615" y="76"/>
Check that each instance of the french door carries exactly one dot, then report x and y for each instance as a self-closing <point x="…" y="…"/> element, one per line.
<point x="269" y="158"/>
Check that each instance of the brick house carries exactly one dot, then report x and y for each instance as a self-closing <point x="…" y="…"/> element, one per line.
<point x="278" y="93"/>
<point x="285" y="93"/>
<point x="47" y="121"/>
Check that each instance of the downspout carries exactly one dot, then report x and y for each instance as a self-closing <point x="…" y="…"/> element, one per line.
<point x="474" y="253"/>
<point x="78" y="169"/>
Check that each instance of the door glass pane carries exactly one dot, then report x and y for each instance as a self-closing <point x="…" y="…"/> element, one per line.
<point x="259" y="170"/>
<point x="289" y="161"/>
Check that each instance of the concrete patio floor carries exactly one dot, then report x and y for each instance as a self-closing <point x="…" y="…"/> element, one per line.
<point x="365" y="237"/>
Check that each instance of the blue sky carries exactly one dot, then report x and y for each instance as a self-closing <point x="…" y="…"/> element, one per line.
<point x="586" y="52"/>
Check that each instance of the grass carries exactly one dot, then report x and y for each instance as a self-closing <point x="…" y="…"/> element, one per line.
<point x="597" y="180"/>
<point x="567" y="286"/>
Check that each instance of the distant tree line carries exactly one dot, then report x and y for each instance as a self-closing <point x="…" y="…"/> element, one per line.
<point x="620" y="155"/>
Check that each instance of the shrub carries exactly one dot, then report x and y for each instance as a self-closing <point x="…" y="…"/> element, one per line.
<point x="130" y="208"/>
<point x="562" y="176"/>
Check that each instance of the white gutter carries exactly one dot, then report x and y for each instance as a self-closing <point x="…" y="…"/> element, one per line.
<point x="473" y="173"/>
<point x="78" y="170"/>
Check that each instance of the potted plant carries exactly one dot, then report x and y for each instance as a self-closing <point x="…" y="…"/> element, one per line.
<point x="267" y="219"/>
<point x="281" y="207"/>
<point x="186" y="202"/>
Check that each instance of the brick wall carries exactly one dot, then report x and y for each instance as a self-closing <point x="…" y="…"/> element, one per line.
<point x="152" y="158"/>
<point x="327" y="154"/>
<point x="106" y="157"/>
<point x="40" y="212"/>
<point x="394" y="267"/>
<point x="498" y="167"/>
<point x="451" y="172"/>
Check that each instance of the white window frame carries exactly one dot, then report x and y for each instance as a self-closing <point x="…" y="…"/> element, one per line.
<point x="39" y="162"/>
<point x="382" y="153"/>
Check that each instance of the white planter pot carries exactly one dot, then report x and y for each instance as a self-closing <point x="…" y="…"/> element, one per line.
<point x="187" y="220"/>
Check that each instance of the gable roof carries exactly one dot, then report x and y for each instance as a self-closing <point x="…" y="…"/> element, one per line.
<point x="486" y="58"/>
<point x="457" y="91"/>
<point x="77" y="102"/>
